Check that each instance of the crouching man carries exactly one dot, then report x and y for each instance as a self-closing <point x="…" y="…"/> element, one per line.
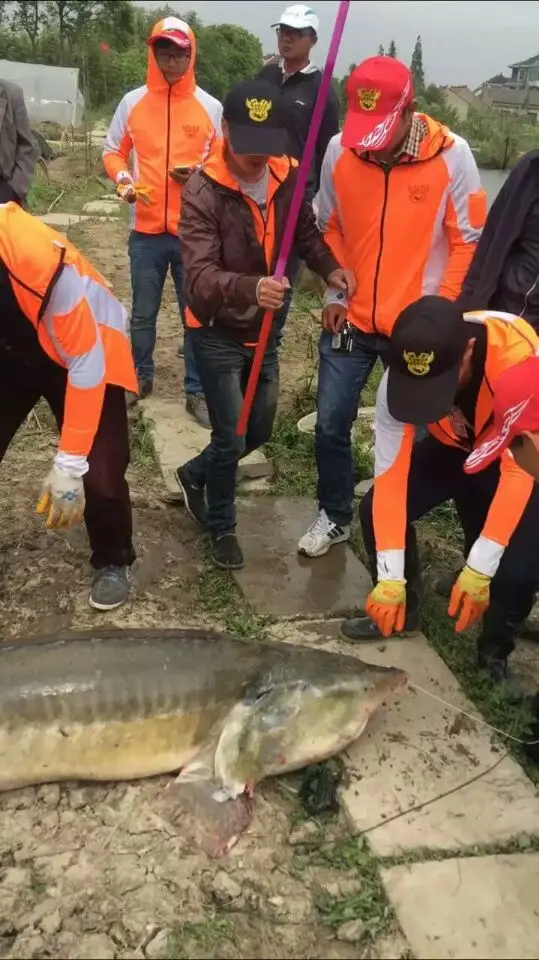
<point x="232" y="223"/>
<point x="63" y="337"/>
<point x="441" y="367"/>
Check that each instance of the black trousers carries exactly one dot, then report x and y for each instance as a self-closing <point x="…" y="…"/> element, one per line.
<point x="436" y="476"/>
<point x="108" y="515"/>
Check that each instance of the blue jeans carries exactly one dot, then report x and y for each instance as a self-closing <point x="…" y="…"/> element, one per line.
<point x="151" y="255"/>
<point x="341" y="378"/>
<point x="224" y="367"/>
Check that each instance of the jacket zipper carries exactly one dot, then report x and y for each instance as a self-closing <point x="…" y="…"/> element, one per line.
<point x="167" y="159"/>
<point x="380" y="250"/>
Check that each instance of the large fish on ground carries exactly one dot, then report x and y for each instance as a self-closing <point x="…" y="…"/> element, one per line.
<point x="226" y="712"/>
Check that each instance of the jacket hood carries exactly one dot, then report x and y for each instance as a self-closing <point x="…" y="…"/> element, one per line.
<point x="217" y="168"/>
<point x="154" y="78"/>
<point x="439" y="137"/>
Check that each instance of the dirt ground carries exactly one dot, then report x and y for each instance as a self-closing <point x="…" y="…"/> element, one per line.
<point x="89" y="871"/>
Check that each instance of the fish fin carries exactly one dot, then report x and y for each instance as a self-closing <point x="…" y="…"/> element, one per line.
<point x="202" y="812"/>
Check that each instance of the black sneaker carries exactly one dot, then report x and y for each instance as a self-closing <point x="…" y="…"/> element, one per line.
<point x="226" y="551"/>
<point x="193" y="496"/>
<point x="364" y="630"/>
<point x="145" y="388"/>
<point x="110" y="588"/>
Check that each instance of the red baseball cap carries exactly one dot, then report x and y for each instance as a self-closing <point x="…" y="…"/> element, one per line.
<point x="377" y="91"/>
<point x="516" y="409"/>
<point x="173" y="33"/>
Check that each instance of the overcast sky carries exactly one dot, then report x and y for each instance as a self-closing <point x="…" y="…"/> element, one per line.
<point x="463" y="42"/>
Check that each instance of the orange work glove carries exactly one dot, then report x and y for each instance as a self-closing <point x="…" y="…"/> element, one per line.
<point x="470" y="598"/>
<point x="386" y="606"/>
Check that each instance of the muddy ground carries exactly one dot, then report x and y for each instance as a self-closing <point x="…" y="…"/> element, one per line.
<point x="90" y="871"/>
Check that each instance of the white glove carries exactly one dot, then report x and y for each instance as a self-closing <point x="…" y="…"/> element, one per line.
<point x="62" y="496"/>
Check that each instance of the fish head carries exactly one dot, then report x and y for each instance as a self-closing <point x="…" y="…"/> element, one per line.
<point x="299" y="714"/>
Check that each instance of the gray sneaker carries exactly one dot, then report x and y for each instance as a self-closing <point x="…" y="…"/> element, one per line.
<point x="110" y="588"/>
<point x="196" y="405"/>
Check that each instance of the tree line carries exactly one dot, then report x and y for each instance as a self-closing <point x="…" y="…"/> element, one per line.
<point x="107" y="42"/>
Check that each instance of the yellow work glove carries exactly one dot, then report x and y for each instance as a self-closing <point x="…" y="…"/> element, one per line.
<point x="470" y="598"/>
<point x="386" y="606"/>
<point x="134" y="191"/>
<point x="62" y="497"/>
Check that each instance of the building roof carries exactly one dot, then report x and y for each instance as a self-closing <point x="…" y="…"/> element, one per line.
<point x="497" y="93"/>
<point x="464" y="93"/>
<point x="525" y="63"/>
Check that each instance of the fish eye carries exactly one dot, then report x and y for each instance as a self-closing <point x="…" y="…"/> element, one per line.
<point x="255" y="696"/>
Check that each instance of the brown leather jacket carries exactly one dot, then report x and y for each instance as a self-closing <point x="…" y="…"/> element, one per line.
<point x="227" y="247"/>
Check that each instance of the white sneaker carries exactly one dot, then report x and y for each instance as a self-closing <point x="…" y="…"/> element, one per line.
<point x="321" y="536"/>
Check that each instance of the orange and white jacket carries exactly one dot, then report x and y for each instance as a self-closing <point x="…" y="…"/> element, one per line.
<point x="80" y="325"/>
<point x="406" y="231"/>
<point x="509" y="340"/>
<point x="157" y="127"/>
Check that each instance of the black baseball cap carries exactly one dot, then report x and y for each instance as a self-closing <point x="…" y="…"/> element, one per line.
<point x="254" y="113"/>
<point x="425" y="352"/>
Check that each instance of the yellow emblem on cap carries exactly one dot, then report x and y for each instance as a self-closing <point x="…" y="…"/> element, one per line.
<point x="418" y="363"/>
<point x="258" y="109"/>
<point x="368" y="98"/>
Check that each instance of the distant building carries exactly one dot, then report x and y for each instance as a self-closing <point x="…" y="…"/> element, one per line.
<point x="461" y="99"/>
<point x="517" y="94"/>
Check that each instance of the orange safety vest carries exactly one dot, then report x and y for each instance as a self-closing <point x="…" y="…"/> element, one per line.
<point x="80" y="325"/>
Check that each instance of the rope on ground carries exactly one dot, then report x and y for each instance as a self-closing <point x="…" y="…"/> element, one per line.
<point x="471" y="716"/>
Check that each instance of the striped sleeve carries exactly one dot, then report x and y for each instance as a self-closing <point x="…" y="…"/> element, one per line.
<point x="465" y="215"/>
<point x="118" y="145"/>
<point x="329" y="219"/>
<point x="393" y="452"/>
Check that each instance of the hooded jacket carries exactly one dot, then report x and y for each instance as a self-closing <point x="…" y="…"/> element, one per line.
<point x="509" y="340"/>
<point x="504" y="273"/>
<point x="227" y="246"/>
<point x="158" y="127"/>
<point x="405" y="230"/>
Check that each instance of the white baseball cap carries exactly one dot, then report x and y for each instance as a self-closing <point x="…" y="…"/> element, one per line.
<point x="299" y="17"/>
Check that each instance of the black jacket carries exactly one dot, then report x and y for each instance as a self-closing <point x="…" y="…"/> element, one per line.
<point x="504" y="273"/>
<point x="299" y="93"/>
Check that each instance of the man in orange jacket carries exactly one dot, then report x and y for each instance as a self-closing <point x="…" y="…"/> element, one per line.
<point x="63" y="336"/>
<point x="401" y="205"/>
<point x="168" y="127"/>
<point x="441" y="365"/>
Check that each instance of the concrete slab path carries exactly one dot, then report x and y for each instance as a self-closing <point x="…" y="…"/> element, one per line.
<point x="469" y="908"/>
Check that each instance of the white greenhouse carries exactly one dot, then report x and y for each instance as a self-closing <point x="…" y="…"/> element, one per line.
<point x="51" y="94"/>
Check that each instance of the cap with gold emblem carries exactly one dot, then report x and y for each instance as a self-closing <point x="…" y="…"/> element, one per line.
<point x="377" y="92"/>
<point x="255" y="117"/>
<point x="425" y="351"/>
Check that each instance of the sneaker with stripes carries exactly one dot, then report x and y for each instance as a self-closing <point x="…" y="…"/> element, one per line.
<point x="321" y="536"/>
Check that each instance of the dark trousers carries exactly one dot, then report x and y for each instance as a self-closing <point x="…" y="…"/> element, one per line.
<point x="224" y="367"/>
<point x="281" y="316"/>
<point x="436" y="475"/>
<point x="108" y="514"/>
<point x="151" y="255"/>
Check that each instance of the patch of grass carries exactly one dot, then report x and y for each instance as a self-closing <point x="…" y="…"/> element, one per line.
<point x="524" y="843"/>
<point x="72" y="194"/>
<point x="143" y="455"/>
<point x="207" y="938"/>
<point x="369" y="903"/>
<point x="219" y="596"/>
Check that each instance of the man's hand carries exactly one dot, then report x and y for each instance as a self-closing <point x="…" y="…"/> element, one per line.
<point x="386" y="606"/>
<point x="470" y="598"/>
<point x="343" y="280"/>
<point x="130" y="192"/>
<point x="270" y="292"/>
<point x="334" y="317"/>
<point x="62" y="497"/>
<point x="181" y="174"/>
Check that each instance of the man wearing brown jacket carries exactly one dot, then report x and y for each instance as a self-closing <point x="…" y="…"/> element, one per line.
<point x="232" y="223"/>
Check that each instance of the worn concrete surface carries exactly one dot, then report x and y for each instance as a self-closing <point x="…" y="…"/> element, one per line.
<point x="484" y="907"/>
<point x="177" y="438"/>
<point x="62" y="221"/>
<point x="279" y="582"/>
<point x="101" y="207"/>
<point x="415" y="749"/>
